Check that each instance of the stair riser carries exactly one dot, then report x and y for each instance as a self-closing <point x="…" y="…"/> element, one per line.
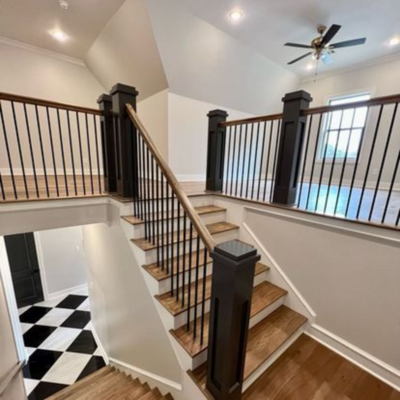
<point x="139" y="230"/>
<point x="197" y="201"/>
<point x="164" y="286"/>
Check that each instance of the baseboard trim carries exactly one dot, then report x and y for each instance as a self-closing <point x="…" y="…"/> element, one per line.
<point x="66" y="292"/>
<point x="100" y="346"/>
<point x="147" y="374"/>
<point x="357" y="356"/>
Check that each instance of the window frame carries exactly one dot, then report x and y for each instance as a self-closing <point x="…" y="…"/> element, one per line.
<point x="349" y="160"/>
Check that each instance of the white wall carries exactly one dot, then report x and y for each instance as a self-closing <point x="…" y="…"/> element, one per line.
<point x="188" y="135"/>
<point x="153" y="112"/>
<point x="123" y="312"/>
<point x="126" y="52"/>
<point x="204" y="63"/>
<point x="62" y="259"/>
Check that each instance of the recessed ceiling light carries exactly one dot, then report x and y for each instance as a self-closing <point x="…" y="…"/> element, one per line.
<point x="236" y="15"/>
<point x="394" y="41"/>
<point x="59" y="35"/>
<point x="63" y="4"/>
<point x="310" y="66"/>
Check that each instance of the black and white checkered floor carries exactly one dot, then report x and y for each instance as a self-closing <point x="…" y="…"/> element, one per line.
<point x="60" y="345"/>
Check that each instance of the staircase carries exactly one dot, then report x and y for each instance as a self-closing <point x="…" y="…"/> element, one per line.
<point x="273" y="325"/>
<point x="109" y="383"/>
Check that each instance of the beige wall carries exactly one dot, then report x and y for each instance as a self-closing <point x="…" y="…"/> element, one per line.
<point x="123" y="312"/>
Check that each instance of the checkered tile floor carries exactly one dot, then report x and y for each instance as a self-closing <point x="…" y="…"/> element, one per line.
<point x="60" y="345"/>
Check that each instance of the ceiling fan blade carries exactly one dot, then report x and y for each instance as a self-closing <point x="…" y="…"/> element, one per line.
<point x="302" y="46"/>
<point x="300" y="58"/>
<point x="333" y="30"/>
<point x="348" y="43"/>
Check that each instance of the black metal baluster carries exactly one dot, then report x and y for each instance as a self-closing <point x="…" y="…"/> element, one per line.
<point x="62" y="152"/>
<point x="168" y="216"/>
<point x="382" y="166"/>
<point x="81" y="153"/>
<point x="321" y="117"/>
<point x="255" y="160"/>
<point x="344" y="162"/>
<point x="162" y="221"/>
<point x="203" y="299"/>
<point x="89" y="153"/>
<point x="391" y="188"/>
<point x="178" y="251"/>
<point x="305" y="161"/>
<point x="150" y="203"/>
<point x="172" y="242"/>
<point x="244" y="160"/>
<point x="28" y="131"/>
<point x="238" y="160"/>
<point x="275" y="160"/>
<point x="233" y="158"/>
<point x="140" y="176"/>
<point x="249" y="161"/>
<point x="21" y="158"/>
<point x="156" y="216"/>
<point x="145" y="198"/>
<point x="333" y="161"/>
<point x="71" y="146"/>
<point x="184" y="258"/>
<point x="261" y="161"/>
<point x="190" y="275"/>
<point x="3" y="193"/>
<point x="154" y="201"/>
<point x="398" y="218"/>
<point x="196" y="293"/>
<point x="8" y="152"/>
<point x="42" y="150"/>
<point x="226" y="169"/>
<point x="97" y="153"/>
<point x="268" y="160"/>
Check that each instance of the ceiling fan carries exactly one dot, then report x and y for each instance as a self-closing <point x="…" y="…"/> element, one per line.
<point x="321" y="47"/>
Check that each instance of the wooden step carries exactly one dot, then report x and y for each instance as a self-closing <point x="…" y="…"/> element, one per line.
<point x="89" y="380"/>
<point x="140" y="392"/>
<point x="214" y="229"/>
<point x="175" y="307"/>
<point x="264" y="339"/>
<point x="155" y="394"/>
<point x="264" y="295"/>
<point x="201" y="210"/>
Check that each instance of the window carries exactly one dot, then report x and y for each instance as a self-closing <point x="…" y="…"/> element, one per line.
<point x="343" y="129"/>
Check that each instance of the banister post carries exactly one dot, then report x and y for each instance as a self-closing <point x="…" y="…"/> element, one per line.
<point x="126" y="156"/>
<point x="290" y="147"/>
<point x="108" y="143"/>
<point x="232" y="286"/>
<point x="215" y="150"/>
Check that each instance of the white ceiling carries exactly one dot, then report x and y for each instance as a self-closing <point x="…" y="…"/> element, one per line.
<point x="30" y="21"/>
<point x="268" y="24"/>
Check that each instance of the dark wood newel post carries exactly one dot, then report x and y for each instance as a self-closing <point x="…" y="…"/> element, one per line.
<point x="290" y="147"/>
<point x="127" y="169"/>
<point x="232" y="286"/>
<point x="108" y="143"/>
<point x="215" y="150"/>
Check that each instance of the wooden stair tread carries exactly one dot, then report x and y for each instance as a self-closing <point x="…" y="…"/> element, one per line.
<point x="201" y="210"/>
<point x="175" y="307"/>
<point x="263" y="340"/>
<point x="218" y="227"/>
<point x="140" y="392"/>
<point x="264" y="295"/>
<point x="154" y="394"/>
<point x="85" y="382"/>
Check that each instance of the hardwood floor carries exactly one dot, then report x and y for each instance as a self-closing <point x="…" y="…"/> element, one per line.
<point x="310" y="371"/>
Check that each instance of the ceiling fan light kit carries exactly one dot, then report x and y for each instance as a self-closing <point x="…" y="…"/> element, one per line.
<point x="321" y="47"/>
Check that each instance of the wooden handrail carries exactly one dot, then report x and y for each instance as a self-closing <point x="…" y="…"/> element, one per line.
<point x="377" y="101"/>
<point x="175" y="185"/>
<point x="47" y="103"/>
<point x="10" y="377"/>
<point x="251" y="120"/>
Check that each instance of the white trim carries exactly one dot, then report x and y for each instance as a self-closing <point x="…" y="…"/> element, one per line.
<point x="42" y="270"/>
<point x="363" y="65"/>
<point x="11" y="302"/>
<point x="100" y="346"/>
<point x="191" y="178"/>
<point x="66" y="292"/>
<point x="39" y="50"/>
<point x="359" y="357"/>
<point x="147" y="374"/>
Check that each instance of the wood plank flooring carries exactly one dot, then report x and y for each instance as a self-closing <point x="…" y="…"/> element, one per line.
<point x="311" y="371"/>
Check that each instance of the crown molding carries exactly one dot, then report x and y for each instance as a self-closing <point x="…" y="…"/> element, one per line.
<point x="39" y="50"/>
<point x="355" y="67"/>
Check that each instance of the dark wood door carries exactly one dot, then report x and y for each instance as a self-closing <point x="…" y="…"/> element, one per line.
<point x="22" y="256"/>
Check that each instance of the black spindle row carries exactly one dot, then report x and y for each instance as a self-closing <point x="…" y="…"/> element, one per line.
<point x="250" y="159"/>
<point x="47" y="150"/>
<point x="350" y="164"/>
